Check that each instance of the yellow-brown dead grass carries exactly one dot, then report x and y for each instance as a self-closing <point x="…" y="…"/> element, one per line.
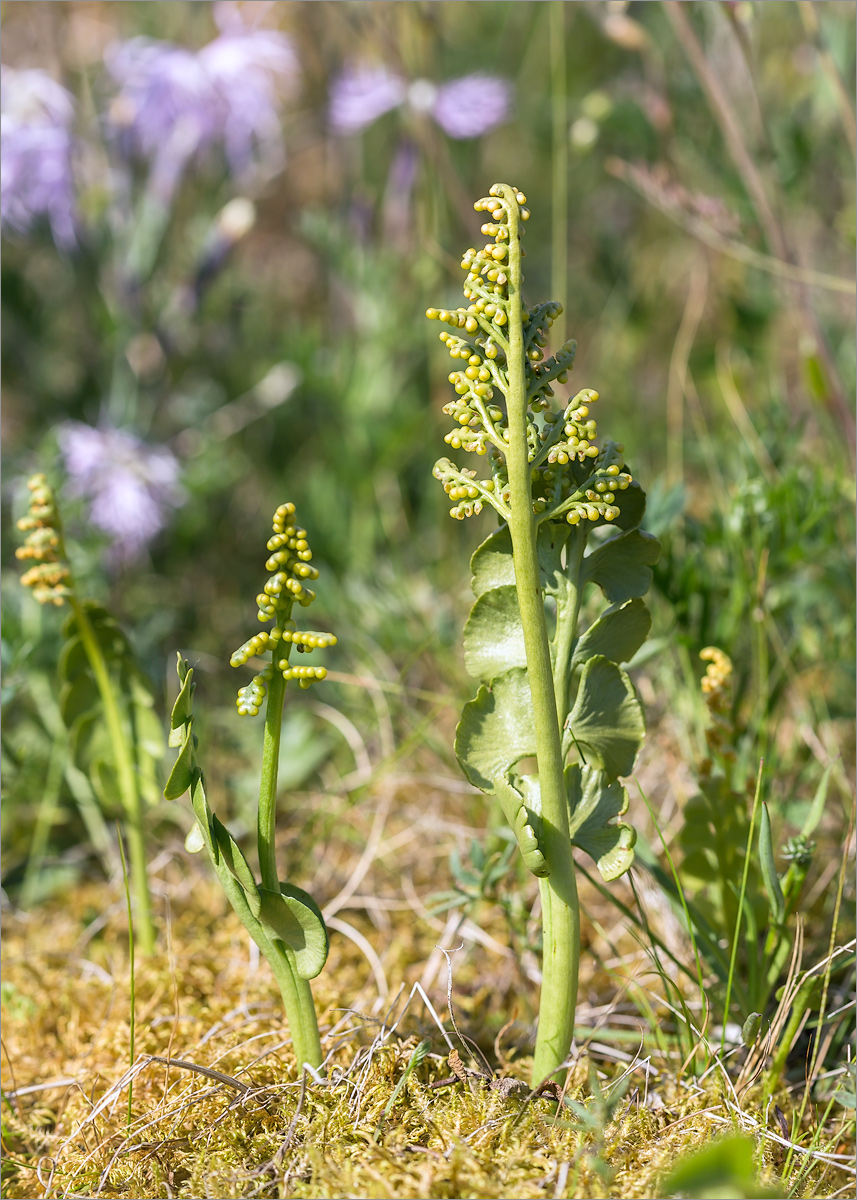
<point x="202" y="1000"/>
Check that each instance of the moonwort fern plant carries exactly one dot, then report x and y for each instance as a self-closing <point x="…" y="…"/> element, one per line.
<point x="552" y="684"/>
<point x="105" y="700"/>
<point x="283" y="920"/>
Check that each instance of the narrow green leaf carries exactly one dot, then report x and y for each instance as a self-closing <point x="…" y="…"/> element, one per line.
<point x="184" y="701"/>
<point x="622" y="566"/>
<point x="236" y="864"/>
<point x="204" y="815"/>
<point x="618" y="634"/>
<point x="181" y="776"/>
<point x="607" y="721"/>
<point x="816" y="809"/>
<point x="594" y="803"/>
<point x="292" y="916"/>
<point x="769" y="868"/>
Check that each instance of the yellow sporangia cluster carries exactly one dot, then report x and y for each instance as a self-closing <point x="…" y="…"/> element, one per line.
<point x="288" y="564"/>
<point x="716" y="685"/>
<point x="570" y="472"/>
<point x="50" y="576"/>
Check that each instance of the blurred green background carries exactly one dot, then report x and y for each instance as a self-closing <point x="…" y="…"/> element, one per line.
<point x="690" y="171"/>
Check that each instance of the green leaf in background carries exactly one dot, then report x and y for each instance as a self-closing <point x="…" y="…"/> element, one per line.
<point x="622" y="567"/>
<point x="632" y="507"/>
<point x="816" y="809"/>
<point x="607" y="722"/>
<point x="77" y="697"/>
<point x="294" y="918"/>
<point x="723" y="1170"/>
<point x="616" y="635"/>
<point x="105" y="784"/>
<point x="769" y="867"/>
<point x="594" y="803"/>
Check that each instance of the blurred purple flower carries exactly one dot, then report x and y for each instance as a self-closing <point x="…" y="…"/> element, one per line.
<point x="35" y="154"/>
<point x="130" y="486"/>
<point x="470" y="106"/>
<point x="175" y="104"/>
<point x="362" y="94"/>
<point x="464" y="108"/>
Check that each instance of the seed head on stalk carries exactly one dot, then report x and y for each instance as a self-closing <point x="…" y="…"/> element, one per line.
<point x="289" y="566"/>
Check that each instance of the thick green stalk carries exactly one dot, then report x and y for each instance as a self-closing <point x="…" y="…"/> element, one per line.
<point x="296" y="992"/>
<point x="560" y="908"/>
<point x="300" y="1010"/>
<point x="127" y="777"/>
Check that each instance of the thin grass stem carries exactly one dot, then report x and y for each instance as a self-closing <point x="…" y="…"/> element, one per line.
<point x="127" y="778"/>
<point x="741" y="899"/>
<point x="131" y="962"/>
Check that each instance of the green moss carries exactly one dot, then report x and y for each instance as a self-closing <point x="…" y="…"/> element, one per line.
<point x="192" y="1136"/>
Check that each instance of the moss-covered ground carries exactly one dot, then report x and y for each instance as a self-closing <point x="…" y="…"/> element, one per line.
<point x="255" y="1129"/>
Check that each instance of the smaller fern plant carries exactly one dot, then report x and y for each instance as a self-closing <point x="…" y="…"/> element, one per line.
<point x="282" y="919"/>
<point x="106" y="701"/>
<point x="548" y="656"/>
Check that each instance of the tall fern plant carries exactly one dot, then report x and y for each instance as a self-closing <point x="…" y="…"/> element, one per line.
<point x="549" y="662"/>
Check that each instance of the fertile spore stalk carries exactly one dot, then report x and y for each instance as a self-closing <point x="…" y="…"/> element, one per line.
<point x="282" y="919"/>
<point x="561" y="697"/>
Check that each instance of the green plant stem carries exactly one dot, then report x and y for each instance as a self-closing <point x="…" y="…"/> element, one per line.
<point x="131" y="962"/>
<point x="296" y="992"/>
<point x="125" y="770"/>
<point x="559" y="159"/>
<point x="741" y="898"/>
<point x="560" y="907"/>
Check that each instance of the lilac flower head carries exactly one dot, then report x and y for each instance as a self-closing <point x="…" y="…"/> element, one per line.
<point x="175" y="104"/>
<point x="35" y="154"/>
<point x="362" y="94"/>
<point x="130" y="486"/>
<point x="465" y="107"/>
<point x="470" y="106"/>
